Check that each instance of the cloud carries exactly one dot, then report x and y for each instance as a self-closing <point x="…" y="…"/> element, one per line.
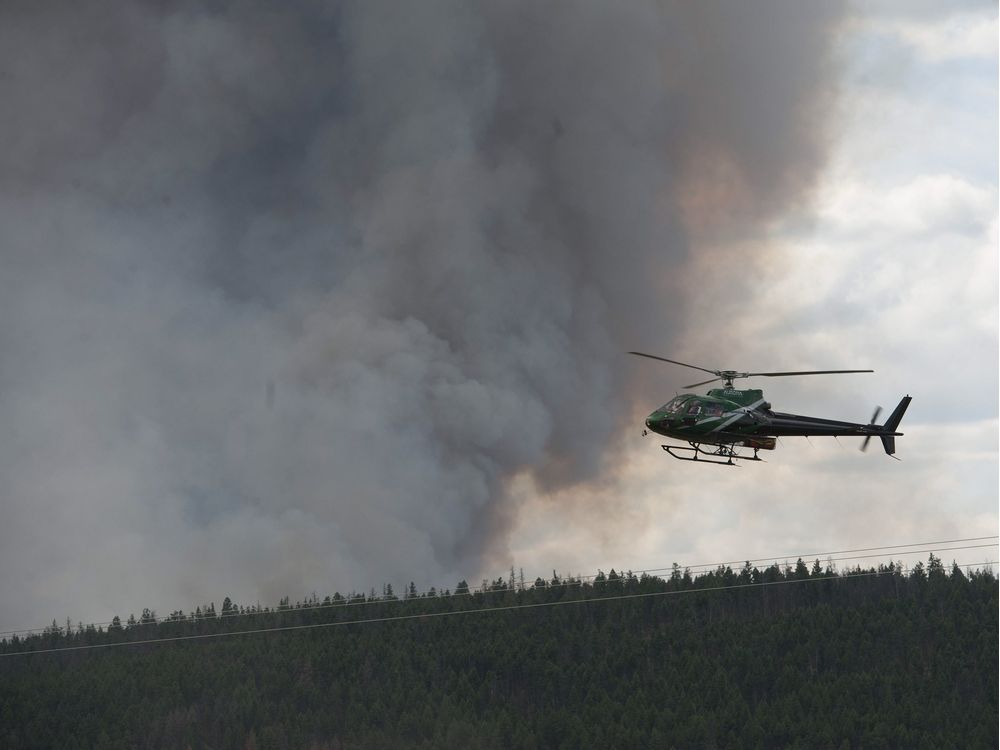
<point x="928" y="209"/>
<point x="961" y="36"/>
<point x="902" y="280"/>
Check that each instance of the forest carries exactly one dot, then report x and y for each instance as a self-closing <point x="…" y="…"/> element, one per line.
<point x="786" y="656"/>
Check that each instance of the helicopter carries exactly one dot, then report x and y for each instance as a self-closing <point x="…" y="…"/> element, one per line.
<point x="718" y="425"/>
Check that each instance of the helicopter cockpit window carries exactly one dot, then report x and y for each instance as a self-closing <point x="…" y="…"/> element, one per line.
<point x="694" y="409"/>
<point x="712" y="410"/>
<point x="672" y="406"/>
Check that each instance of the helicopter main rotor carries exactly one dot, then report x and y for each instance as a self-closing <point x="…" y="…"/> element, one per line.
<point x="728" y="376"/>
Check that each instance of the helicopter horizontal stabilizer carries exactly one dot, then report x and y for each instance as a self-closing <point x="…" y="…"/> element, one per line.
<point x="889" y="440"/>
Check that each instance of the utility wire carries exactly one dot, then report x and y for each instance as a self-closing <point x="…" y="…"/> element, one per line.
<point x="709" y="567"/>
<point x="428" y="615"/>
<point x="812" y="555"/>
<point x="569" y="581"/>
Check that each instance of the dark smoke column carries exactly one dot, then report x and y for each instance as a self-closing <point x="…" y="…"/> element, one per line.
<point x="292" y="292"/>
<point x="529" y="182"/>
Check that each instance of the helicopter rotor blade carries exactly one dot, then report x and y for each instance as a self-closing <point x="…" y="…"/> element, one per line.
<point x="728" y="376"/>
<point x="703" y="382"/>
<point x="800" y="372"/>
<point x="675" y="362"/>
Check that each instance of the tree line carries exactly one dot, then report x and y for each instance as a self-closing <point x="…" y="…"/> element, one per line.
<point x="782" y="656"/>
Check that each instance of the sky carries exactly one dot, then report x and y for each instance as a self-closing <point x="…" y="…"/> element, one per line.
<point x="317" y="298"/>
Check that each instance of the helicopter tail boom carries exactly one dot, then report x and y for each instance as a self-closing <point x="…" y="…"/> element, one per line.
<point x="889" y="440"/>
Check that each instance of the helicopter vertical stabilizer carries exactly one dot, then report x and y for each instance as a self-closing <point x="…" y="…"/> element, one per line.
<point x="889" y="441"/>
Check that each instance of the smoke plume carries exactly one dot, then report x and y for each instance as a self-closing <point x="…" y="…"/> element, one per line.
<point x="290" y="292"/>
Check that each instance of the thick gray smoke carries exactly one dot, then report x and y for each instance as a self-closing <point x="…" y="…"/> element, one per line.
<point x="291" y="291"/>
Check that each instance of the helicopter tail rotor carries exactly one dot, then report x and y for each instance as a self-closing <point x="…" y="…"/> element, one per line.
<point x="864" y="444"/>
<point x="887" y="432"/>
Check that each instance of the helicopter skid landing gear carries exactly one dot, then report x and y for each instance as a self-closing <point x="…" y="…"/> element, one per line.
<point x="724" y="455"/>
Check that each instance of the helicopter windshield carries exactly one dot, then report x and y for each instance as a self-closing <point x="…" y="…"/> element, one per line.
<point x="674" y="405"/>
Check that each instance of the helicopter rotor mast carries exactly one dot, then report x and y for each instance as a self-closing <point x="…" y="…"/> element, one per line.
<point x="728" y="376"/>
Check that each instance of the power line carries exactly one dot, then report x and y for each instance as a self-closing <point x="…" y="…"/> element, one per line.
<point x="864" y="557"/>
<point x="428" y="615"/>
<point x="846" y="551"/>
<point x="569" y="581"/>
<point x="709" y="567"/>
<point x="350" y="601"/>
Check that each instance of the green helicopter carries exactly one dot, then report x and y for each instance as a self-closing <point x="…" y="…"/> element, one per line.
<point x="716" y="426"/>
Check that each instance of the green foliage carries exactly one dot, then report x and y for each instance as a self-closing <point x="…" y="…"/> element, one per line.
<point x="814" y="659"/>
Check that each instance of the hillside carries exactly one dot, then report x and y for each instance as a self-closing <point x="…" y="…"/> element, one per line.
<point x="778" y="657"/>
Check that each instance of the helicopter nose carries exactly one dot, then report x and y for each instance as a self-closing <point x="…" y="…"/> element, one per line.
<point x="655" y="421"/>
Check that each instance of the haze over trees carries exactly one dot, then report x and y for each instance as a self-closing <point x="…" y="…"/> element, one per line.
<point x="794" y="656"/>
